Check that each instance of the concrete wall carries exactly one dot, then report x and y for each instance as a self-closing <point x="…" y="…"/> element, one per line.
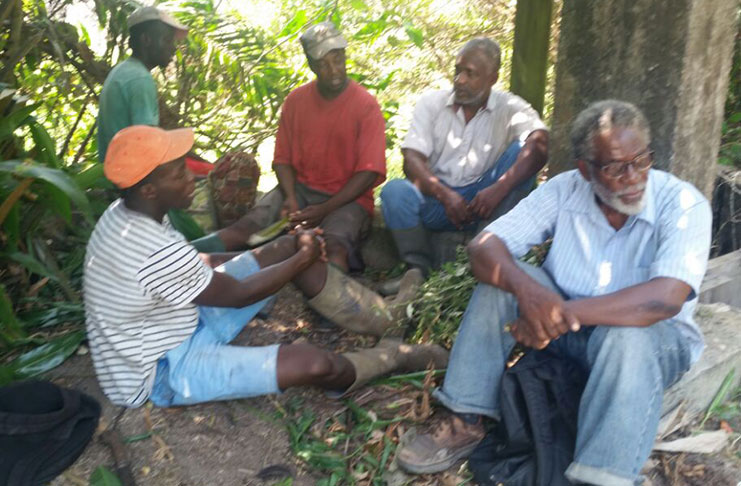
<point x="670" y="57"/>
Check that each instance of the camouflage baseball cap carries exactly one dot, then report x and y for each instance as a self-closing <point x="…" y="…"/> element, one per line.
<point x="322" y="38"/>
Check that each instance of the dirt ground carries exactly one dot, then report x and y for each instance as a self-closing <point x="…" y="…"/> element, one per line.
<point x="244" y="442"/>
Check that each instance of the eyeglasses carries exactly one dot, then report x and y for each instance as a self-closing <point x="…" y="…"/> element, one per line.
<point x="617" y="168"/>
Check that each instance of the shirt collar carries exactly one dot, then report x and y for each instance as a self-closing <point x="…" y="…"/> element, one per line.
<point x="583" y="201"/>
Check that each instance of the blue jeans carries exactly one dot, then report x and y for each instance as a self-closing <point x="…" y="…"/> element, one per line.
<point x="404" y="206"/>
<point x="204" y="367"/>
<point x="629" y="368"/>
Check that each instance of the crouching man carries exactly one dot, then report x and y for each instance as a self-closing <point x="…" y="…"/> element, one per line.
<point x="160" y="315"/>
<point x="616" y="294"/>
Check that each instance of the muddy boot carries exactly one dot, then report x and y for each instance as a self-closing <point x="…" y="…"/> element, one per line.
<point x="351" y="305"/>
<point x="391" y="354"/>
<point x="414" y="250"/>
<point x="408" y="289"/>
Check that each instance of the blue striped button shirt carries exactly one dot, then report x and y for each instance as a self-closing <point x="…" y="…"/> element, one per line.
<point x="670" y="237"/>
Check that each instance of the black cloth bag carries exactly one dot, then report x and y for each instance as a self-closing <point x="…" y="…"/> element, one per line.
<point x="533" y="443"/>
<point x="43" y="429"/>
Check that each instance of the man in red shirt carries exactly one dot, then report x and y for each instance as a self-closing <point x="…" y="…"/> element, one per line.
<point x="329" y="152"/>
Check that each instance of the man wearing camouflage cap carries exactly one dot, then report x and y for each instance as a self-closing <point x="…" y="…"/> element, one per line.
<point x="329" y="151"/>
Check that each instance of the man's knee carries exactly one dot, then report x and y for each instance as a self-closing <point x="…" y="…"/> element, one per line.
<point x="398" y="192"/>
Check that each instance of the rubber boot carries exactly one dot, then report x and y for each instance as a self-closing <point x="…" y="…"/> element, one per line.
<point x="408" y="288"/>
<point x="414" y="250"/>
<point x="351" y="305"/>
<point x="391" y="354"/>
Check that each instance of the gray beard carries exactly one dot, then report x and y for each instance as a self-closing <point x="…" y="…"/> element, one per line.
<point x="612" y="199"/>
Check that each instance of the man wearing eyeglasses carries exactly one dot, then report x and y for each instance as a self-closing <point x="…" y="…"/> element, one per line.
<point x="616" y="294"/>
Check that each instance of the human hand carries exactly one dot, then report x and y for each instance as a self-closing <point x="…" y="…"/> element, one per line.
<point x="290" y="206"/>
<point x="484" y="202"/>
<point x="310" y="216"/>
<point x="455" y="208"/>
<point x="310" y="243"/>
<point x="544" y="316"/>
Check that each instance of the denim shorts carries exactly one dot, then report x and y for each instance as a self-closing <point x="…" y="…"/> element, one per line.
<point x="205" y="367"/>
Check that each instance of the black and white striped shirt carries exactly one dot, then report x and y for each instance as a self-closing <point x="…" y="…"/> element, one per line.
<point x="139" y="283"/>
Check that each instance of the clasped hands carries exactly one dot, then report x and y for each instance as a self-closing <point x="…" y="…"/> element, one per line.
<point x="309" y="217"/>
<point x="310" y="243"/>
<point x="459" y="212"/>
<point x="544" y="316"/>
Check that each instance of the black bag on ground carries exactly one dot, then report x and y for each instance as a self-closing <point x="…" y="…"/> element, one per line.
<point x="43" y="430"/>
<point x="533" y="444"/>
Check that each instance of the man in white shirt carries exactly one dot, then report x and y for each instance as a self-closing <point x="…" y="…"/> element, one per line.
<point x="616" y="295"/>
<point x="471" y="154"/>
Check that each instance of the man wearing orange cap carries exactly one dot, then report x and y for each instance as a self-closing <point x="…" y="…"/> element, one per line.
<point x="160" y="315"/>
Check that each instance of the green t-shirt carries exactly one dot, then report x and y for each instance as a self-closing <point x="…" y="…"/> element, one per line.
<point x="129" y="97"/>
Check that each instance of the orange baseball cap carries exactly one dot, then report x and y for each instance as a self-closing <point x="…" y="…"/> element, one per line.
<point x="136" y="151"/>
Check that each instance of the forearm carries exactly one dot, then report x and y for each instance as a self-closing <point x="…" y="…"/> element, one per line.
<point x="286" y="180"/>
<point x="358" y="184"/>
<point x="416" y="170"/>
<point x="224" y="291"/>
<point x="639" y="305"/>
<point x="530" y="160"/>
<point x="492" y="264"/>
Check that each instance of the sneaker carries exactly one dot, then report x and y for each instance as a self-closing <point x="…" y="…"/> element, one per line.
<point x="451" y="440"/>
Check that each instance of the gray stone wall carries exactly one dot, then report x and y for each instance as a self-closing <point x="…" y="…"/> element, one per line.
<point x="670" y="57"/>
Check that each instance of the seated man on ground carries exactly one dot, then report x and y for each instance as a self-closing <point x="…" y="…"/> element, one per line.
<point x="330" y="152"/>
<point x="470" y="155"/>
<point x="616" y="294"/>
<point x="160" y="315"/>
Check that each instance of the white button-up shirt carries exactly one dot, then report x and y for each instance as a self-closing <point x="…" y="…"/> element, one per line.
<point x="670" y="237"/>
<point x="459" y="153"/>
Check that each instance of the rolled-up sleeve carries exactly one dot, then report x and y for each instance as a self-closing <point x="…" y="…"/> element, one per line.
<point x="531" y="222"/>
<point x="420" y="134"/>
<point x="523" y="120"/>
<point x="683" y="239"/>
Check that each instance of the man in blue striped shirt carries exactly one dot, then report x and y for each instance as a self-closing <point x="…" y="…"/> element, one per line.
<point x="616" y="294"/>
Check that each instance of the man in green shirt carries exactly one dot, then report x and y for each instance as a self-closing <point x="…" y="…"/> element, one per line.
<point x="129" y="95"/>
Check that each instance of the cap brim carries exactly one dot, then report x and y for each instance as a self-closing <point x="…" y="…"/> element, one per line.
<point x="324" y="47"/>
<point x="180" y="142"/>
<point x="181" y="31"/>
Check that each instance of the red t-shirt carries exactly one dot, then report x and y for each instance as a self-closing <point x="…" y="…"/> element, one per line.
<point x="328" y="141"/>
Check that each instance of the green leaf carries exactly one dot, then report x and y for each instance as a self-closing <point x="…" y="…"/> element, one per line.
<point x="102" y="476"/>
<point x="46" y="356"/>
<point x="735" y="118"/>
<point x="359" y="5"/>
<point x="55" y="177"/>
<point x="11" y="122"/>
<point x="31" y="264"/>
<point x="10" y="326"/>
<point x="293" y="25"/>
<point x="415" y="35"/>
<point x="184" y="223"/>
<point x="89" y="177"/>
<point x="720" y="396"/>
<point x="44" y="144"/>
<point x="268" y="233"/>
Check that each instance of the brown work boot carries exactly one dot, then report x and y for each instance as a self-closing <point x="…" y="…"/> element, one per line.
<point x="437" y="450"/>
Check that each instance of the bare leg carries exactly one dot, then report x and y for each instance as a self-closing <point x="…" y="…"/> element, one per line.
<point x="337" y="254"/>
<point x="310" y="281"/>
<point x="305" y="364"/>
